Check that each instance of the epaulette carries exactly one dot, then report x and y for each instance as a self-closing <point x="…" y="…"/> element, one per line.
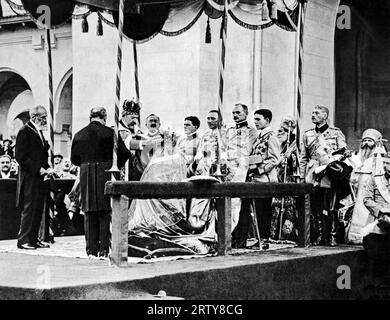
<point x="334" y="129"/>
<point x="309" y="130"/>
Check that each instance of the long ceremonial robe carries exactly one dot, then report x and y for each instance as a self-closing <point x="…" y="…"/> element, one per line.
<point x="360" y="216"/>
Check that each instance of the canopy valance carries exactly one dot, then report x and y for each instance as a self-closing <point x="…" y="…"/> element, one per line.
<point x="143" y="19"/>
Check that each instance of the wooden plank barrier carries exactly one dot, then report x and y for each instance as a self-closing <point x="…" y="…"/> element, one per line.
<point x="224" y="192"/>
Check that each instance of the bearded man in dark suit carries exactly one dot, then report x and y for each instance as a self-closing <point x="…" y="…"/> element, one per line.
<point x="31" y="152"/>
<point x="92" y="151"/>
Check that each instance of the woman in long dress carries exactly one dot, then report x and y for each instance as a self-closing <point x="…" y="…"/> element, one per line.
<point x="160" y="227"/>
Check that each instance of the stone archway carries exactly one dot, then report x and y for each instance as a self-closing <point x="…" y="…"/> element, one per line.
<point x="63" y="115"/>
<point x="15" y="99"/>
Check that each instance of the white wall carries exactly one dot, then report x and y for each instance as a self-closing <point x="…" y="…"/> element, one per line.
<point x="179" y="75"/>
<point x="318" y="70"/>
<point x="168" y="74"/>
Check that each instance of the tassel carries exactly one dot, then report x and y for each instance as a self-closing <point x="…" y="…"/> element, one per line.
<point x="208" y="31"/>
<point x="84" y="25"/>
<point x="265" y="15"/>
<point x="99" y="29"/>
<point x="274" y="14"/>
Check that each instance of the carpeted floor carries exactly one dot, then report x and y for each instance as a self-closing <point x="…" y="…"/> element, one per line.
<point x="74" y="247"/>
<point x="69" y="247"/>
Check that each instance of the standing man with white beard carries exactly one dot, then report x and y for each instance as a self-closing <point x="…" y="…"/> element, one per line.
<point x="364" y="166"/>
<point x="31" y="152"/>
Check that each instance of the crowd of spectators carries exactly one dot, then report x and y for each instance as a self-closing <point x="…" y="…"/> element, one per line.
<point x="67" y="219"/>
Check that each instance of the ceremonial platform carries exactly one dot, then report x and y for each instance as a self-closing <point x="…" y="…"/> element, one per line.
<point x="64" y="272"/>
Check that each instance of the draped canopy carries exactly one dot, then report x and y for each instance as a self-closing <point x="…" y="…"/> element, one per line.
<point x="146" y="18"/>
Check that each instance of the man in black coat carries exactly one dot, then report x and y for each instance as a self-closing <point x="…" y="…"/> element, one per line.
<point x="92" y="151"/>
<point x="31" y="152"/>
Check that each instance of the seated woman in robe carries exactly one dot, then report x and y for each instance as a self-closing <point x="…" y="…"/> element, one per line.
<point x="161" y="227"/>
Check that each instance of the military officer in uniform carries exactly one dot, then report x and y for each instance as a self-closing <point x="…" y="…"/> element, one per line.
<point x="212" y="145"/>
<point x="267" y="147"/>
<point x="318" y="146"/>
<point x="239" y="141"/>
<point x="239" y="144"/>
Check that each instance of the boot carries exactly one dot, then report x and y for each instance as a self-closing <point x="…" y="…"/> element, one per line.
<point x="333" y="218"/>
<point x="332" y="242"/>
<point x="319" y="238"/>
<point x="239" y="243"/>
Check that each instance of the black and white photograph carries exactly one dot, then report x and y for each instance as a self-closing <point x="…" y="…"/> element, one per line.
<point x="194" y="156"/>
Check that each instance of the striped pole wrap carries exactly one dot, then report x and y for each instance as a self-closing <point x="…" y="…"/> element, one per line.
<point x="221" y="71"/>
<point x="222" y="57"/>
<point x="51" y="104"/>
<point x="300" y="56"/>
<point x="51" y="125"/>
<point x="115" y="170"/>
<point x="136" y="79"/>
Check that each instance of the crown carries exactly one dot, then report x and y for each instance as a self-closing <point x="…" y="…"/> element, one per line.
<point x="131" y="107"/>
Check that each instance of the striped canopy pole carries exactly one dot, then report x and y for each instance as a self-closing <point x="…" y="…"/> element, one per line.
<point x="136" y="79"/>
<point x="222" y="57"/>
<point x="46" y="232"/>
<point x="115" y="170"/>
<point x="51" y="104"/>
<point x="299" y="69"/>
<point x="221" y="71"/>
<point x="222" y="66"/>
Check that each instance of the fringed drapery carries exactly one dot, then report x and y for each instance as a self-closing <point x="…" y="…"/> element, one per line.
<point x="143" y="21"/>
<point x="181" y="17"/>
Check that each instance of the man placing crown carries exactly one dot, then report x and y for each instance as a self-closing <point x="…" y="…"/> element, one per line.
<point x="135" y="141"/>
